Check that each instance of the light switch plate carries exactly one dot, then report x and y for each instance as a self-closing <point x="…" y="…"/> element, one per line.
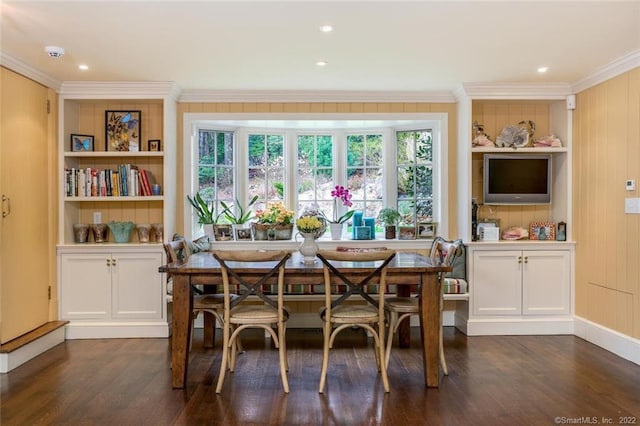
<point x="630" y="185"/>
<point x="632" y="205"/>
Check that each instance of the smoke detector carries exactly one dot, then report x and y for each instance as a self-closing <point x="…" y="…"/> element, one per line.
<point x="54" y="51"/>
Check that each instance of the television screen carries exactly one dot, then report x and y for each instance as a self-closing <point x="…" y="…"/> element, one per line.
<point x="517" y="179"/>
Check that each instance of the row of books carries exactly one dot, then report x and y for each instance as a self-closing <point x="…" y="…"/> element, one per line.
<point x="127" y="180"/>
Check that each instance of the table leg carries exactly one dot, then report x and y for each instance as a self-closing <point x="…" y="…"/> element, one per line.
<point x="404" y="329"/>
<point x="209" y="330"/>
<point x="182" y="307"/>
<point x="430" y="327"/>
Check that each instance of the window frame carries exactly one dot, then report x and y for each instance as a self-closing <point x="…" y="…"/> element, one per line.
<point x="291" y="124"/>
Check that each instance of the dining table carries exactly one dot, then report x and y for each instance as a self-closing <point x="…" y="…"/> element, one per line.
<point x="407" y="269"/>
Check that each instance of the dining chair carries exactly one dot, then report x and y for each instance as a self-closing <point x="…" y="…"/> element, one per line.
<point x="401" y="308"/>
<point x="238" y="315"/>
<point x="208" y="304"/>
<point x="339" y="287"/>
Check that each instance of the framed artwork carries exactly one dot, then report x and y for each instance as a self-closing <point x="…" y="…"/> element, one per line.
<point x="222" y="232"/>
<point x="561" y="235"/>
<point x="542" y="231"/>
<point x="81" y="143"/>
<point x="488" y="230"/>
<point x="426" y="230"/>
<point x="243" y="234"/>
<point x="122" y="130"/>
<point x="153" y="145"/>
<point x="406" y="232"/>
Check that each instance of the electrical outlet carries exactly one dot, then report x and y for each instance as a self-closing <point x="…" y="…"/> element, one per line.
<point x="97" y="217"/>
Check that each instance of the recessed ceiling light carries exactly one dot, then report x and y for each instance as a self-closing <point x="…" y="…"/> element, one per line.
<point x="54" y="52"/>
<point x="542" y="70"/>
<point x="326" y="28"/>
<point x="83" y="67"/>
<point x="321" y="63"/>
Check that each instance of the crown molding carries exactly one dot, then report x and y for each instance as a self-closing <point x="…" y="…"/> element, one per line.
<point x="607" y="72"/>
<point x="120" y="89"/>
<point x="20" y="67"/>
<point x="532" y="91"/>
<point x="271" y="96"/>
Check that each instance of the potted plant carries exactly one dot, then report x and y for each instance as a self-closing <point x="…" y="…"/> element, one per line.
<point x="390" y="217"/>
<point x="206" y="212"/>
<point x="275" y="222"/>
<point x="239" y="220"/>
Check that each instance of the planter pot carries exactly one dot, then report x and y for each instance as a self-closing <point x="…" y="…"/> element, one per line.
<point x="390" y="232"/>
<point x="208" y="230"/>
<point x="336" y="230"/>
<point x="262" y="231"/>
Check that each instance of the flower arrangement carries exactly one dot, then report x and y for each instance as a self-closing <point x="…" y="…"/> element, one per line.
<point x="275" y="214"/>
<point x="343" y="194"/>
<point x="309" y="224"/>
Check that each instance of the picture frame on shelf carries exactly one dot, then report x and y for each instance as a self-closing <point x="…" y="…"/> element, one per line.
<point x="426" y="230"/>
<point x="492" y="228"/>
<point x="542" y="231"/>
<point x="222" y="232"/>
<point x="406" y="232"/>
<point x="153" y="145"/>
<point x="123" y="130"/>
<point x="82" y="143"/>
<point x="243" y="234"/>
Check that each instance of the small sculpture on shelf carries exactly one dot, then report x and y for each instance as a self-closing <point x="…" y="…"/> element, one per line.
<point x="551" y="141"/>
<point x="480" y="138"/>
<point x="519" y="136"/>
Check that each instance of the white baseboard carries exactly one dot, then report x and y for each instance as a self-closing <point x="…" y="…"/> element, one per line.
<point x="620" y="344"/>
<point x="13" y="359"/>
<point x="113" y="330"/>
<point x="519" y="326"/>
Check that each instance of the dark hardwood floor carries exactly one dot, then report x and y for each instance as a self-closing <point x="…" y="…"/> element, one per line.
<point x="498" y="380"/>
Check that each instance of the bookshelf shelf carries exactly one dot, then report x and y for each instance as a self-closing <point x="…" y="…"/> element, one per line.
<point x="113" y="154"/>
<point x="111" y="198"/>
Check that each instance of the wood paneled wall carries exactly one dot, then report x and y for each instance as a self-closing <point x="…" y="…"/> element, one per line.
<point x="329" y="108"/>
<point x="606" y="154"/>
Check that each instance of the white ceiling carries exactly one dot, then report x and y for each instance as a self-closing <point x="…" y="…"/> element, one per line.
<point x="273" y="46"/>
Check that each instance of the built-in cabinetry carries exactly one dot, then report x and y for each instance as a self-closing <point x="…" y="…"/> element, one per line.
<point x="114" y="289"/>
<point x="522" y="286"/>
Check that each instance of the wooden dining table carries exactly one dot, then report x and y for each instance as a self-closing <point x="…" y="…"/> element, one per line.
<point x="405" y="270"/>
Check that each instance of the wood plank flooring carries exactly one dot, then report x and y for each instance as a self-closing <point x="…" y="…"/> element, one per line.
<point x="497" y="380"/>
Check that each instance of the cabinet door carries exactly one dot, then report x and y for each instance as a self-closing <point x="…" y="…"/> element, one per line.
<point x="137" y="285"/>
<point x="85" y="286"/>
<point x="497" y="283"/>
<point x="546" y="282"/>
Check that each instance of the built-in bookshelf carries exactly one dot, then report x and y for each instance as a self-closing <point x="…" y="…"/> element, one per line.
<point x="97" y="183"/>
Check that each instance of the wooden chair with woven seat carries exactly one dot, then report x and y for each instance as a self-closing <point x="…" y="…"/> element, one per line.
<point x="238" y="316"/>
<point x="401" y="308"/>
<point x="211" y="304"/>
<point x="370" y="316"/>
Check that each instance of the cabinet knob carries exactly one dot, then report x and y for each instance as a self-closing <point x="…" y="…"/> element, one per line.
<point x="113" y="262"/>
<point x="519" y="259"/>
<point x="7" y="212"/>
<point x="108" y="262"/>
<point x="526" y="259"/>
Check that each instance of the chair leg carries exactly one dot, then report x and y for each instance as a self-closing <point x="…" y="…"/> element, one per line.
<point x="225" y="354"/>
<point x="325" y="355"/>
<point x="380" y="352"/>
<point x="282" y="349"/>
<point x="393" y="320"/>
<point x="443" y="361"/>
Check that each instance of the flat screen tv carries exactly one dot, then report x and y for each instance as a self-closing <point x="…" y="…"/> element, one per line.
<point x="517" y="179"/>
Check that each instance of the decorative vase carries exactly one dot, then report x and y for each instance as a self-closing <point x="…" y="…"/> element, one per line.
<point x="308" y="248"/>
<point x="158" y="232"/>
<point x="121" y="231"/>
<point x="143" y="232"/>
<point x="81" y="232"/>
<point x="336" y="230"/>
<point x="99" y="231"/>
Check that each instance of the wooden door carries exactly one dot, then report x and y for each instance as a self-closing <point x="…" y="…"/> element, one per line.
<point x="24" y="183"/>
<point x="546" y="282"/>
<point x="497" y="282"/>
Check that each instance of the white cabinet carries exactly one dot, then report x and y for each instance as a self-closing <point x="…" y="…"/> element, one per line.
<point x="109" y="291"/>
<point x="520" y="288"/>
<point x="528" y="282"/>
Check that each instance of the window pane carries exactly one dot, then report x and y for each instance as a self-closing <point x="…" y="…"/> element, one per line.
<point x="355" y="150"/>
<point x="275" y="150"/>
<point x="256" y="150"/>
<point x="325" y="151"/>
<point x="315" y="173"/>
<point x="224" y="148"/>
<point x="374" y="150"/>
<point x="415" y="175"/>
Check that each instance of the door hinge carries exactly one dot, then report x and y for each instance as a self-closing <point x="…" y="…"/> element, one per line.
<point x="49" y="292"/>
<point x="48" y="106"/>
